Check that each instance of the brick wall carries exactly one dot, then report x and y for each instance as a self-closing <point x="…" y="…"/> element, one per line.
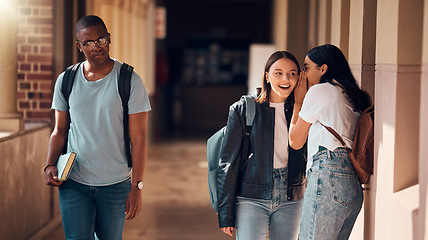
<point x="35" y="45"/>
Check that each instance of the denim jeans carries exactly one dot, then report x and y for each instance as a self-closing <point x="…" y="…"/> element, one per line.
<point x="278" y="216"/>
<point x="333" y="197"/>
<point x="90" y="212"/>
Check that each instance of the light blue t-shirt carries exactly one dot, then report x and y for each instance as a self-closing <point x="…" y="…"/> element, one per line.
<point x="96" y="128"/>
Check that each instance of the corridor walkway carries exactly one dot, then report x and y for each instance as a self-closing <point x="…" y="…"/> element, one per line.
<point x="176" y="204"/>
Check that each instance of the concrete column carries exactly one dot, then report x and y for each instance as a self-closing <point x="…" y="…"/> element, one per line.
<point x="149" y="7"/>
<point x="324" y="22"/>
<point x="134" y="28"/>
<point x="422" y="228"/>
<point x="280" y="24"/>
<point x="76" y="55"/>
<point x="141" y="41"/>
<point x="361" y="57"/>
<point x="362" y="42"/>
<point x="131" y="24"/>
<point x="397" y="100"/>
<point x="116" y="30"/>
<point x="10" y="119"/>
<point x="290" y="31"/>
<point x="297" y="35"/>
<point x="127" y="32"/>
<point x="104" y="9"/>
<point x="312" y="23"/>
<point x="340" y="24"/>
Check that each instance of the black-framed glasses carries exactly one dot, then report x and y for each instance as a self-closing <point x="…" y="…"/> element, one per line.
<point x="90" y="45"/>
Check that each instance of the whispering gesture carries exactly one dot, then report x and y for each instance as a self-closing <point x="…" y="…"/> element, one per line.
<point x="301" y="88"/>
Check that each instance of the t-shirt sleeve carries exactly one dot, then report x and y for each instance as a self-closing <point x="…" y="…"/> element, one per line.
<point x="315" y="102"/>
<point x="58" y="101"/>
<point x="139" y="100"/>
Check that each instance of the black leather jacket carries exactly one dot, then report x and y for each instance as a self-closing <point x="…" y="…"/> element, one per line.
<point x="254" y="178"/>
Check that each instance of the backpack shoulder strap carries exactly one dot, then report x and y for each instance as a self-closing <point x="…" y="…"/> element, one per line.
<point x="66" y="87"/>
<point x="124" y="84"/>
<point x="250" y="110"/>
<point x="68" y="80"/>
<point x="369" y="111"/>
<point x="331" y="130"/>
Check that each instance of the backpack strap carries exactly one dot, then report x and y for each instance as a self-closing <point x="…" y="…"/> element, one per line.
<point x="124" y="84"/>
<point x="250" y="112"/>
<point x="337" y="136"/>
<point x="68" y="80"/>
<point x="331" y="130"/>
<point x="66" y="87"/>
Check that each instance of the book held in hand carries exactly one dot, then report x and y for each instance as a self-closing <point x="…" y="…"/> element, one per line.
<point x="64" y="165"/>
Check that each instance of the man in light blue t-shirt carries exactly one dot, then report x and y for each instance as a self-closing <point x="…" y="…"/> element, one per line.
<point x="100" y="193"/>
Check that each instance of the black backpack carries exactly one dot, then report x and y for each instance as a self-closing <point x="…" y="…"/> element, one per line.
<point x="124" y="83"/>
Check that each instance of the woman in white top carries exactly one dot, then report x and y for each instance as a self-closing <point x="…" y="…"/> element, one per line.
<point x="328" y="94"/>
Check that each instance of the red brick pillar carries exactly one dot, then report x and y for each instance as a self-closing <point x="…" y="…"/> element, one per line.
<point x="35" y="44"/>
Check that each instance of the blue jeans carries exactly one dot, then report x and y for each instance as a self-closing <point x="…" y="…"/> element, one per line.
<point x="90" y="212"/>
<point x="333" y="197"/>
<point x="279" y="217"/>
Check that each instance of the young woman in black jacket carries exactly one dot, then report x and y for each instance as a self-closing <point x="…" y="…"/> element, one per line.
<point x="263" y="194"/>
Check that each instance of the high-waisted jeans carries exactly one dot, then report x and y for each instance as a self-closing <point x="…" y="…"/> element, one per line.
<point x="278" y="216"/>
<point x="333" y="197"/>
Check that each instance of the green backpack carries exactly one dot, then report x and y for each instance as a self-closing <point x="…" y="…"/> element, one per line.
<point x="214" y="144"/>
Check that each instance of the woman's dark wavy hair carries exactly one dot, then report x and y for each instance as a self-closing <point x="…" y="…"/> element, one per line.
<point x="338" y="69"/>
<point x="266" y="88"/>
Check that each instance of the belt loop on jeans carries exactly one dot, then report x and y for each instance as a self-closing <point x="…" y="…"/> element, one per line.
<point x="328" y="154"/>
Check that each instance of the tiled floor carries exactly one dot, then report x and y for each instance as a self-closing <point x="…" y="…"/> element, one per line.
<point x="176" y="204"/>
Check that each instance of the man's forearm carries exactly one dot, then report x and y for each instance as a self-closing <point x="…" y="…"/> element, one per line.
<point x="139" y="158"/>
<point x="56" y="144"/>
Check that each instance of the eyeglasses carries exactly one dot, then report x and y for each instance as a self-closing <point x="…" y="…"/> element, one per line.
<point x="90" y="45"/>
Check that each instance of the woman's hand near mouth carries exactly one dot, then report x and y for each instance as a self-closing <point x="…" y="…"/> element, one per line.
<point x="301" y="88"/>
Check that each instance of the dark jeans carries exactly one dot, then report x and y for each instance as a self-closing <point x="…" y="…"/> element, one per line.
<point x="90" y="212"/>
